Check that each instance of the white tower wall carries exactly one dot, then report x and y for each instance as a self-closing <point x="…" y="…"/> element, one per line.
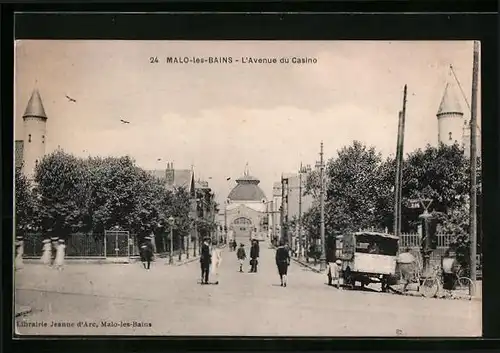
<point x="450" y="129"/>
<point x="35" y="135"/>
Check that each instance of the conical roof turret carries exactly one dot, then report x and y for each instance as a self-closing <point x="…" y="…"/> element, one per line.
<point x="449" y="103"/>
<point x="35" y="107"/>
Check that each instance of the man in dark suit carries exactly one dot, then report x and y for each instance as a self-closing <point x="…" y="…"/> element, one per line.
<point x="254" y="255"/>
<point x="205" y="261"/>
<point x="146" y="252"/>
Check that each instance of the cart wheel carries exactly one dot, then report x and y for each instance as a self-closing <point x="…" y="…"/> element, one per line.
<point x="429" y="287"/>
<point x="464" y="285"/>
<point x="348" y="281"/>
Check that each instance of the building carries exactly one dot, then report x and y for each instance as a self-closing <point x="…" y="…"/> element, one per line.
<point x="453" y="123"/>
<point x="246" y="210"/>
<point x="18" y="153"/>
<point x="295" y="204"/>
<point x="31" y="149"/>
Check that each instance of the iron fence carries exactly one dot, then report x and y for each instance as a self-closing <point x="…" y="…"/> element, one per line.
<point x="97" y="245"/>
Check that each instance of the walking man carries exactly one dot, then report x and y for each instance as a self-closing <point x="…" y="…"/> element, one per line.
<point x="216" y="261"/>
<point x="254" y="256"/>
<point x="146" y="252"/>
<point x="241" y="255"/>
<point x="205" y="260"/>
<point x="282" y="262"/>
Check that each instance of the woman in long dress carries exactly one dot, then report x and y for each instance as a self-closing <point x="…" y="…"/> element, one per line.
<point x="59" y="261"/>
<point x="282" y="262"/>
<point x="216" y="262"/>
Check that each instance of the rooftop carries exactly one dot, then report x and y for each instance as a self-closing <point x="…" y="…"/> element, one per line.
<point x="35" y="107"/>
<point x="449" y="102"/>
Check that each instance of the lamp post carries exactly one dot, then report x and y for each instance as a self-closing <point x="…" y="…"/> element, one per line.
<point x="322" y="210"/>
<point x="171" y="222"/>
<point x="301" y="171"/>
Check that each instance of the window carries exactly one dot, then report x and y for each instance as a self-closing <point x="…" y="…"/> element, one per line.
<point x="29" y="138"/>
<point x="43" y="138"/>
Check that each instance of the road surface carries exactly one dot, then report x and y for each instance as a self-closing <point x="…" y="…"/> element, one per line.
<point x="170" y="301"/>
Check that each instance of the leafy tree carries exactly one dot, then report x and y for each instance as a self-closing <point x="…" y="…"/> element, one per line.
<point x="113" y="189"/>
<point x="60" y="188"/>
<point x="438" y="173"/>
<point x="24" y="203"/>
<point x="355" y="188"/>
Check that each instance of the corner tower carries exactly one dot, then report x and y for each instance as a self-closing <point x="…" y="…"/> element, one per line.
<point x="35" y="130"/>
<point x="450" y="118"/>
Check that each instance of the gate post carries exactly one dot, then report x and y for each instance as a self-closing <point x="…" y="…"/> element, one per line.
<point x="105" y="244"/>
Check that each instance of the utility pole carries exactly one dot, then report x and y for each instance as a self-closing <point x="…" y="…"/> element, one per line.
<point x="399" y="168"/>
<point x="301" y="170"/>
<point x="322" y="210"/>
<point x="473" y="167"/>
<point x="284" y="209"/>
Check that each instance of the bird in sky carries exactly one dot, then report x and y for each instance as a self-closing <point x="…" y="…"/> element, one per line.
<point x="228" y="178"/>
<point x="159" y="159"/>
<point x="70" y="99"/>
<point x="124" y="121"/>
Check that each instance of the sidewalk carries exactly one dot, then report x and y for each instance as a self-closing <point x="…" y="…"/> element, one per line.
<point x="457" y="295"/>
<point x="22" y="310"/>
<point x="117" y="260"/>
<point x="310" y="265"/>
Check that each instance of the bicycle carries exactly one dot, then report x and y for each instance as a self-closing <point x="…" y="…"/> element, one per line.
<point x="431" y="286"/>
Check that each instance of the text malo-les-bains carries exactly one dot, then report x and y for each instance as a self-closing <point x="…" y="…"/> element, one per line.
<point x="243" y="60"/>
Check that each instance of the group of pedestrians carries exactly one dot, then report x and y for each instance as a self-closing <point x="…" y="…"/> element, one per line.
<point x="254" y="256"/>
<point x="211" y="258"/>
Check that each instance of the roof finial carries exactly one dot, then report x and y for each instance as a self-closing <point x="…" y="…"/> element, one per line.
<point x="246" y="170"/>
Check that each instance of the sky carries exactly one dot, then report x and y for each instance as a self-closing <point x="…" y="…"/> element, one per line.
<point x="219" y="117"/>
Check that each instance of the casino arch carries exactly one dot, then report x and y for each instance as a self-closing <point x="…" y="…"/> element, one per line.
<point x="242" y="228"/>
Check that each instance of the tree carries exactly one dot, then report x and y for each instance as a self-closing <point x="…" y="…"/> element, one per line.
<point x="355" y="188"/>
<point x="60" y="188"/>
<point x="438" y="173"/>
<point x="24" y="203"/>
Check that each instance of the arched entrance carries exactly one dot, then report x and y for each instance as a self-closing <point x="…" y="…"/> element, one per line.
<point x="242" y="228"/>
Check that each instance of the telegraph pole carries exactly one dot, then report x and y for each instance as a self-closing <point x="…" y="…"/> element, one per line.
<point x="300" y="210"/>
<point x="473" y="167"/>
<point x="322" y="210"/>
<point x="399" y="168"/>
<point x="282" y="210"/>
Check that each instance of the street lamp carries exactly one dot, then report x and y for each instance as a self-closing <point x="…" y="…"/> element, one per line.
<point x="302" y="170"/>
<point x="171" y="222"/>
<point x="322" y="210"/>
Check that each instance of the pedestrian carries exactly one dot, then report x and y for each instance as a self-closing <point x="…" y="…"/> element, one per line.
<point x="205" y="260"/>
<point x="254" y="256"/>
<point x="335" y="272"/>
<point x="234" y="245"/>
<point x="241" y="255"/>
<point x="282" y="262"/>
<point x="406" y="265"/>
<point x="147" y="252"/>
<point x="59" y="260"/>
<point x="216" y="261"/>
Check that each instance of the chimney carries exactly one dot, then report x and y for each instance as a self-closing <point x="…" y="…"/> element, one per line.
<point x="169" y="174"/>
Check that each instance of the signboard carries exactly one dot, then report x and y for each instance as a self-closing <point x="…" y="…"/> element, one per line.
<point x="277" y="190"/>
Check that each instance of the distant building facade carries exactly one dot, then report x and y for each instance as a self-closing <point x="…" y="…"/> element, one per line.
<point x="246" y="210"/>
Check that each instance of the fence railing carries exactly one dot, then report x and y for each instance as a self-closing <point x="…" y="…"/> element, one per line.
<point x="83" y="245"/>
<point x="414" y="240"/>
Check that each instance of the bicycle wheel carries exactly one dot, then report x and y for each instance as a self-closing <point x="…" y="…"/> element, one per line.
<point x="429" y="287"/>
<point x="464" y="285"/>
